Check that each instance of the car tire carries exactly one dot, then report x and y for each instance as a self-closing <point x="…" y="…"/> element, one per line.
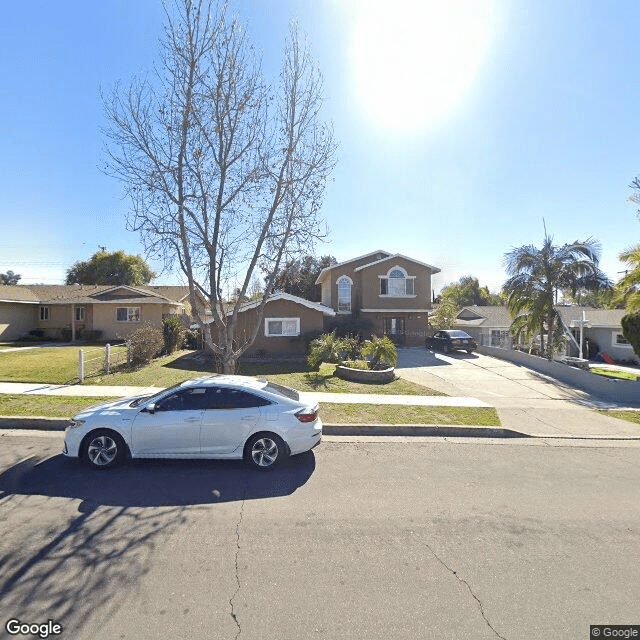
<point x="469" y="351"/>
<point x="103" y="449"/>
<point x="446" y="348"/>
<point x="265" y="451"/>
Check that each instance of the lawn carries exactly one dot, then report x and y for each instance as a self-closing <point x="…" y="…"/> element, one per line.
<point x="58" y="365"/>
<point x="334" y="413"/>
<point x="331" y="413"/>
<point x="46" y="406"/>
<point x="613" y="373"/>
<point x="621" y="414"/>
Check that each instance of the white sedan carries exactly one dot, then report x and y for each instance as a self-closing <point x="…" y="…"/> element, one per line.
<point x="232" y="417"/>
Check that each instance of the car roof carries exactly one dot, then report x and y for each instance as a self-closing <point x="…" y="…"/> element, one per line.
<point x="227" y="381"/>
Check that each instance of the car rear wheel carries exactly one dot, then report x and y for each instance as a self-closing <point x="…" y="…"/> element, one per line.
<point x="265" y="451"/>
<point x="103" y="449"/>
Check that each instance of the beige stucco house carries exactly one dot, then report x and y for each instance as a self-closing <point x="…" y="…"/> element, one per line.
<point x="74" y="310"/>
<point x="390" y="290"/>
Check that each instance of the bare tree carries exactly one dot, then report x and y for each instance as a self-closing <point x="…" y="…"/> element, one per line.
<point x="226" y="174"/>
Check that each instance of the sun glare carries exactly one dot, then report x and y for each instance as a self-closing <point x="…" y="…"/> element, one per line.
<point x="414" y="59"/>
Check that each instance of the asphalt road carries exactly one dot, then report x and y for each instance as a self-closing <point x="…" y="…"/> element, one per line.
<point x="395" y="538"/>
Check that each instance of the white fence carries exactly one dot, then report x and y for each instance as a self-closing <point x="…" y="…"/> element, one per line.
<point x="98" y="360"/>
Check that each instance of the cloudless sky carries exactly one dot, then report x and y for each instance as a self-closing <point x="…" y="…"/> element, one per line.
<point x="462" y="125"/>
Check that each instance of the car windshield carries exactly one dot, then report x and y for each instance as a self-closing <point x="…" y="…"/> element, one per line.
<point x="143" y="399"/>
<point x="458" y="334"/>
<point x="281" y="390"/>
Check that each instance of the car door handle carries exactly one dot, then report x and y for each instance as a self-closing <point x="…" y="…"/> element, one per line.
<point x="191" y="420"/>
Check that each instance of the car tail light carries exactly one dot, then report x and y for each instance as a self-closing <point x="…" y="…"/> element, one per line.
<point x="306" y="415"/>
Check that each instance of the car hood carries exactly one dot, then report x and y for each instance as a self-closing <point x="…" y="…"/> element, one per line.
<point x="115" y="407"/>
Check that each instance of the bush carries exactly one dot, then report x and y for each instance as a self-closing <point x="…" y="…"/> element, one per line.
<point x="173" y="330"/>
<point x="381" y="351"/>
<point x="145" y="344"/>
<point x="326" y="348"/>
<point x="631" y="330"/>
<point x="356" y="364"/>
<point x="91" y="334"/>
<point x="191" y="339"/>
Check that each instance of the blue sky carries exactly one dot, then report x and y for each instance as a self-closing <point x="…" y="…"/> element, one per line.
<point x="461" y="125"/>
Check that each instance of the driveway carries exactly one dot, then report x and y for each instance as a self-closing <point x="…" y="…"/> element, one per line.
<point x="526" y="400"/>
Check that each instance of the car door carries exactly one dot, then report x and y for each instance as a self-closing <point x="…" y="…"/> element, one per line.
<point x="439" y="340"/>
<point x="229" y="417"/>
<point x="171" y="426"/>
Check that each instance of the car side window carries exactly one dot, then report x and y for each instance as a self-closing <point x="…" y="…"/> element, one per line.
<point x="183" y="400"/>
<point x="224" y="398"/>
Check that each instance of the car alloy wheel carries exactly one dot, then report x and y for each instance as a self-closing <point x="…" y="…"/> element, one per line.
<point x="265" y="451"/>
<point x="103" y="450"/>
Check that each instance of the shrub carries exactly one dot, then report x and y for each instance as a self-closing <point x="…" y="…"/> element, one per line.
<point x="356" y="364"/>
<point x="191" y="339"/>
<point x="173" y="330"/>
<point x="91" y="334"/>
<point x="631" y="330"/>
<point x="326" y="348"/>
<point x="381" y="351"/>
<point x="145" y="344"/>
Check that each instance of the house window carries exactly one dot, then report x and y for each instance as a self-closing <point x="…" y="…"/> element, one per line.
<point x="619" y="340"/>
<point x="128" y="314"/>
<point x="397" y="284"/>
<point x="344" y="294"/>
<point x="44" y="313"/>
<point x="79" y="314"/>
<point x="281" y="327"/>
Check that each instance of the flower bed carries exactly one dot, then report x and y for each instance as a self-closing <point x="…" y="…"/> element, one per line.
<point x="365" y="375"/>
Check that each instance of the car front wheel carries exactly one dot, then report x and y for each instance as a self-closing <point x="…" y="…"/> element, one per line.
<point x="103" y="449"/>
<point x="265" y="451"/>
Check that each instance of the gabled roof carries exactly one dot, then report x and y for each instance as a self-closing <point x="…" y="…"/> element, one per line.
<point x="326" y="270"/>
<point x="317" y="306"/>
<point x="92" y="294"/>
<point x="377" y="257"/>
<point x="497" y="316"/>
<point x="395" y="256"/>
<point x="17" y="293"/>
<point x="606" y="318"/>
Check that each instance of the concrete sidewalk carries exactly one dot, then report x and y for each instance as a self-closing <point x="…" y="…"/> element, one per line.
<point x="18" y="388"/>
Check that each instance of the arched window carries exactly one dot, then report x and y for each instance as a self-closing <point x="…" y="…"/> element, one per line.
<point x="397" y="284"/>
<point x="344" y="294"/>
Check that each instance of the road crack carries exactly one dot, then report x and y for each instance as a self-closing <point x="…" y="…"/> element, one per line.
<point x="234" y="615"/>
<point x="469" y="589"/>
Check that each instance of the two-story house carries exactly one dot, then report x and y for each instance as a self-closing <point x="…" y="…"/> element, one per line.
<point x="390" y="290"/>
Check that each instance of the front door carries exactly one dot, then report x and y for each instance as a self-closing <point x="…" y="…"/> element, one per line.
<point x="394" y="328"/>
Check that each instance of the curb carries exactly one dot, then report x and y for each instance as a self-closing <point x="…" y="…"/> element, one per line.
<point x="34" y="422"/>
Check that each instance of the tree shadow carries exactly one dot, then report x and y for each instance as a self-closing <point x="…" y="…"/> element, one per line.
<point x="156" y="483"/>
<point x="84" y="566"/>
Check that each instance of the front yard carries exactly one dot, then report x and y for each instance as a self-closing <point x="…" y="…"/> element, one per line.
<point x="58" y="365"/>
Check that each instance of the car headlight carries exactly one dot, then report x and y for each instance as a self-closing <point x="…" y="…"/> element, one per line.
<point x="73" y="424"/>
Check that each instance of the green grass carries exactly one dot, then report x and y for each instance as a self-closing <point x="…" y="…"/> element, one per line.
<point x="46" y="406"/>
<point x="331" y="413"/>
<point x="334" y="413"/>
<point x="621" y="414"/>
<point x="613" y="373"/>
<point x="59" y="365"/>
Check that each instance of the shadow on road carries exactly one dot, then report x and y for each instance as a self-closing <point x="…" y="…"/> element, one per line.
<point x="154" y="483"/>
<point x="79" y="566"/>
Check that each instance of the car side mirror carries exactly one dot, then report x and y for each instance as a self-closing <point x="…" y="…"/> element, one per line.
<point x="150" y="408"/>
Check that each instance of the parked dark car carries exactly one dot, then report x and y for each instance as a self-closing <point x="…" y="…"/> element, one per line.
<point x="448" y="340"/>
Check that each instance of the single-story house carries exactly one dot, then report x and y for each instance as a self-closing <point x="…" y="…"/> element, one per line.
<point x="110" y="312"/>
<point x="288" y="324"/>
<point x="602" y="329"/>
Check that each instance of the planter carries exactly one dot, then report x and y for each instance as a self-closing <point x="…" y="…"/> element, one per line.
<point x="366" y="376"/>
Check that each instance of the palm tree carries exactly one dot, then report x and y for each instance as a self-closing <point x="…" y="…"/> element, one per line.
<point x="628" y="287"/>
<point x="535" y="277"/>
